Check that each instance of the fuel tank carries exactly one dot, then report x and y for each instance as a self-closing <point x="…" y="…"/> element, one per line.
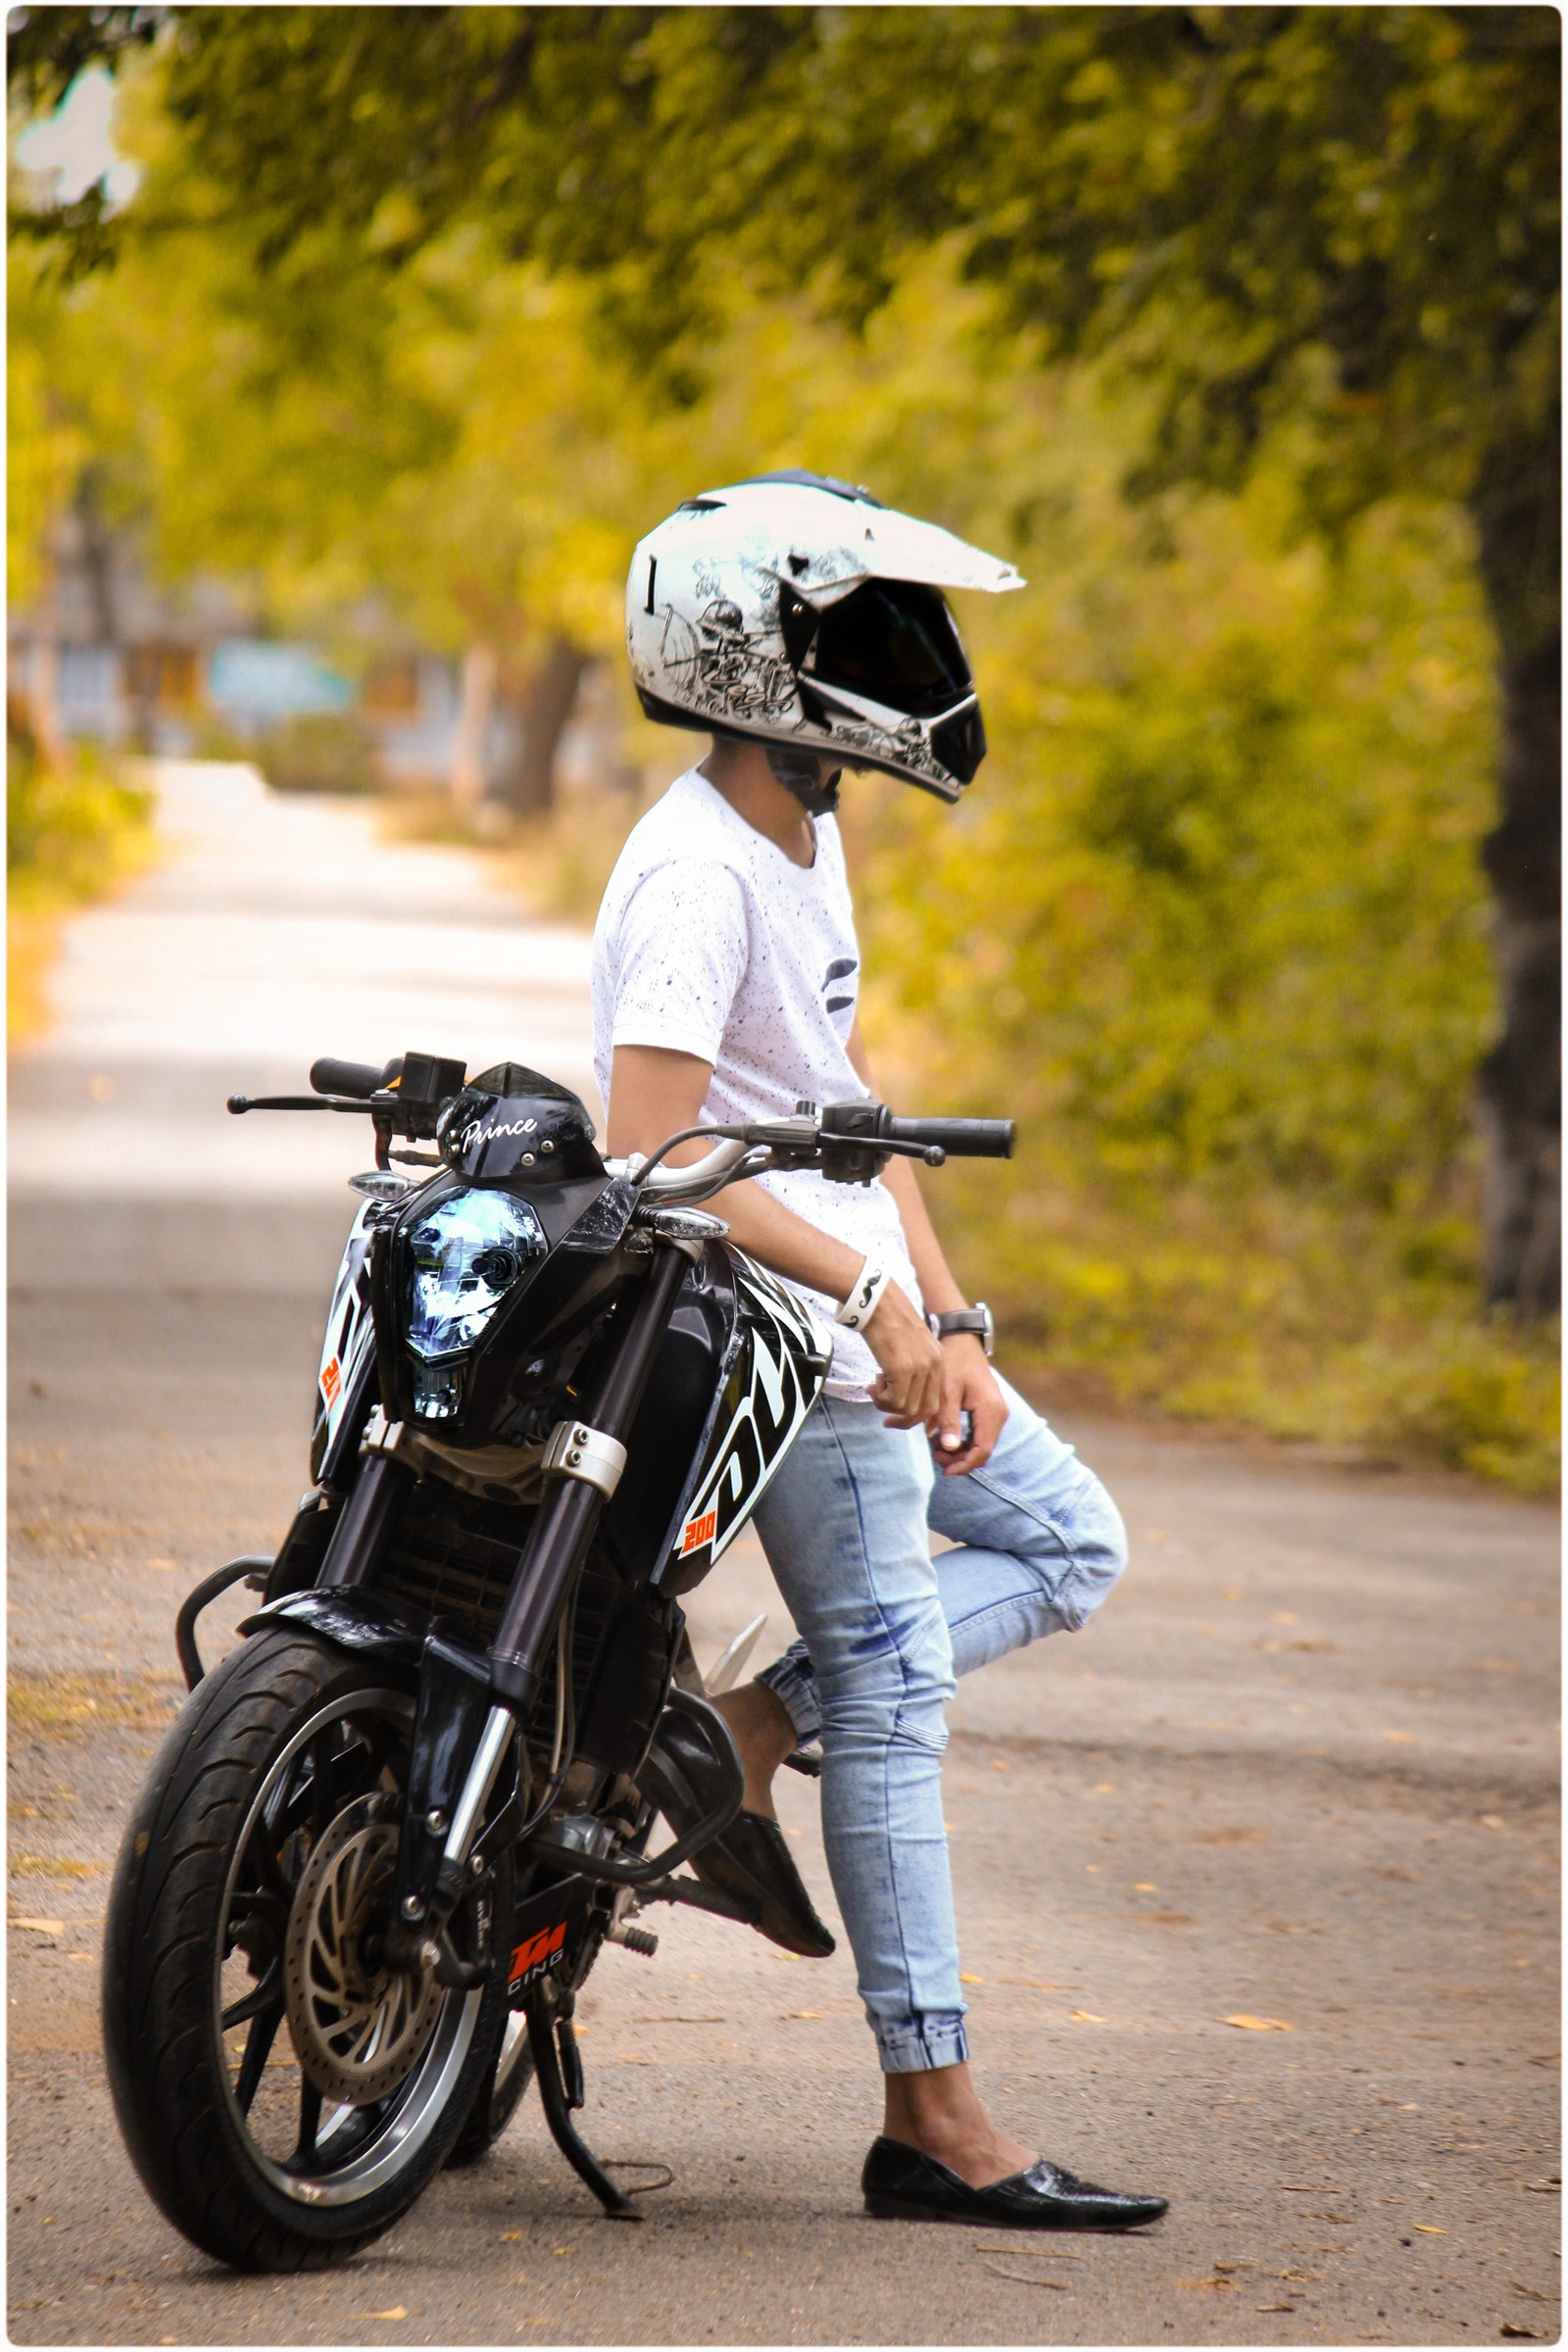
<point x="742" y="1365"/>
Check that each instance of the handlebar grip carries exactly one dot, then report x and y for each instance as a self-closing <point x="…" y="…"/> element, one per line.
<point x="357" y="1078"/>
<point x="960" y="1139"/>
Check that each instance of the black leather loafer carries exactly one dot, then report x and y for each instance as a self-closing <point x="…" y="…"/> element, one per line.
<point x="686" y="1778"/>
<point x="901" y="2184"/>
<point x="752" y="1862"/>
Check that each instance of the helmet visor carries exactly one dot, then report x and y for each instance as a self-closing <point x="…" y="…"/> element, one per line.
<point x="895" y="642"/>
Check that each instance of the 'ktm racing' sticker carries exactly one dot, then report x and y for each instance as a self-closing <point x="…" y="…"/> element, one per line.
<point x="699" y="1532"/>
<point x="530" y="1957"/>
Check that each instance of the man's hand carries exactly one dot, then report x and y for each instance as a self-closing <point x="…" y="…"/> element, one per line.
<point x="910" y="1389"/>
<point x="968" y="1385"/>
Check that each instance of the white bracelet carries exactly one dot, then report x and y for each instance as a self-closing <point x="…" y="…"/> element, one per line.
<point x="865" y="1297"/>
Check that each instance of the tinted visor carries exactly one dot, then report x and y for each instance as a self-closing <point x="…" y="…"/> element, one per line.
<point x="895" y="642"/>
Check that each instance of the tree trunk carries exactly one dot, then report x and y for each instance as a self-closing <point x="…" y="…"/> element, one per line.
<point x="1520" y="1085"/>
<point x="470" y="736"/>
<point x="546" y="707"/>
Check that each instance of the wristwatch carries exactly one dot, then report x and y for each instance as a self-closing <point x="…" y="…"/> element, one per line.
<point x="977" y="1318"/>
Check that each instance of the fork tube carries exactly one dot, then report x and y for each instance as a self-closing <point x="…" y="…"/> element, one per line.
<point x="569" y="1513"/>
<point x="376" y="1498"/>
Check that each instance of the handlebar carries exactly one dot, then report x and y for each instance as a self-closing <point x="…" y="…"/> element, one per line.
<point x="845" y="1143"/>
<point x="960" y="1139"/>
<point x="357" y="1078"/>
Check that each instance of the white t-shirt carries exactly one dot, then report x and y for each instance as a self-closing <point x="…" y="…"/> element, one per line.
<point x="711" y="942"/>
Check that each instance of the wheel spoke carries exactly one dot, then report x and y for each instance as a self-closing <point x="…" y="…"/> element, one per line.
<point x="257" y="2049"/>
<point x="310" y="2123"/>
<point x="321" y="1805"/>
<point x="264" y="1996"/>
<point x="268" y="1870"/>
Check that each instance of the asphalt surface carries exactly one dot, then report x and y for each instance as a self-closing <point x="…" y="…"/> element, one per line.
<point x="1306" y="1756"/>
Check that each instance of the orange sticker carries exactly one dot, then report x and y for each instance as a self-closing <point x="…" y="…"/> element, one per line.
<point x="331" y="1380"/>
<point x="536" y="1951"/>
<point x="699" y="1532"/>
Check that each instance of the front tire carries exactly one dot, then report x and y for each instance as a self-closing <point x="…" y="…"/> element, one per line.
<point x="284" y="2103"/>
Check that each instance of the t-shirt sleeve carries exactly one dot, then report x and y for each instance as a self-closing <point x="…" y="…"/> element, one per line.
<point x="681" y="954"/>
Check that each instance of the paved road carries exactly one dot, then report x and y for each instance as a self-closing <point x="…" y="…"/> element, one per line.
<point x="1306" y="1758"/>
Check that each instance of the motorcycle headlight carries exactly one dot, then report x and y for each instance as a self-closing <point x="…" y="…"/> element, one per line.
<point x="464" y="1257"/>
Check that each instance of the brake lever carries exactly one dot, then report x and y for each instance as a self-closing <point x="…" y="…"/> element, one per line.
<point x="240" y="1104"/>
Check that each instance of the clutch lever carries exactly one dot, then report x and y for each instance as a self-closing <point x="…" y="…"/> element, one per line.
<point x="385" y="1104"/>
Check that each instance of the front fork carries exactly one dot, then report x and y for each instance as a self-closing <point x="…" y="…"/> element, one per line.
<point x="469" y="1710"/>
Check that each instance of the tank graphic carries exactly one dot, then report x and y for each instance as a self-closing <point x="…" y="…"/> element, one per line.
<point x="775" y="1378"/>
<point x="350" y="1341"/>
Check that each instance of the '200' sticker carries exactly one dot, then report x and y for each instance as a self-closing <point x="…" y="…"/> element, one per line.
<point x="699" y="1532"/>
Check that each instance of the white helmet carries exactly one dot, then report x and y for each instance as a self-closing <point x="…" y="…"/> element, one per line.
<point x="799" y="610"/>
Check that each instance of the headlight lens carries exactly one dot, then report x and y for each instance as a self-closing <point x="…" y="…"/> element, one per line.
<point x="464" y="1257"/>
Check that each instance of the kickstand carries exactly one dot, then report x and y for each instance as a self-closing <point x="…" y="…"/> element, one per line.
<point x="558" y="2115"/>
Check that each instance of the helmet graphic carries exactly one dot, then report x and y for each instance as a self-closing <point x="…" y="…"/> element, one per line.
<point x="797" y="609"/>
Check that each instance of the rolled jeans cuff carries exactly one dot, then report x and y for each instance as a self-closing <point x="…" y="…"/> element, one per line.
<point x="791" y="1680"/>
<point x="916" y="2045"/>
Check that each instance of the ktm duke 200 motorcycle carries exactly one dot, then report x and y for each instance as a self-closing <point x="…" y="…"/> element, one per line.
<point x="384" y="1841"/>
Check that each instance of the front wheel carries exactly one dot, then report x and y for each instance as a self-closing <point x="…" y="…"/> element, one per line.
<point x="285" y="2098"/>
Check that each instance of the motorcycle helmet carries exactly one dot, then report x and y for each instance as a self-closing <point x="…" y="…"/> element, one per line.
<point x="795" y="609"/>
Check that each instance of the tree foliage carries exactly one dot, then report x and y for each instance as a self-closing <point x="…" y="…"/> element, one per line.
<point x="422" y="316"/>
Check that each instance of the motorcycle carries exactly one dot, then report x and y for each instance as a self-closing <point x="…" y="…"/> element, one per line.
<point x="403" y="1816"/>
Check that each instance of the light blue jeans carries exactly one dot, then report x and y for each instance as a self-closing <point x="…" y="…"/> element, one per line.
<point x="884" y="1630"/>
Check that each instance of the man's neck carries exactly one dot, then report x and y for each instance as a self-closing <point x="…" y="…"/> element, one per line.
<point x="740" y="771"/>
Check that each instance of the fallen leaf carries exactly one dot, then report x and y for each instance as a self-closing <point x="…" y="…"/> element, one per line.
<point x="1429" y="2229"/>
<point x="1273" y="2306"/>
<point x="788" y="2013"/>
<point x="1212" y="2282"/>
<point x="1284" y="1617"/>
<point x="1019" y="2253"/>
<point x="1533" y="2292"/>
<point x="1530" y="2335"/>
<point x="1024" y="2277"/>
<point x="397" y="2312"/>
<point x="1041" y="1983"/>
<point x="1145" y="1886"/>
<point x="506" y="2235"/>
<point x="967" y="1980"/>
<point x="40" y="1927"/>
<point x="1545" y="2188"/>
<point x="1087" y="2017"/>
<point x="1399" y="1736"/>
<point x="1492" y="1821"/>
<point x="1257" y="2024"/>
<point x="996" y="1765"/>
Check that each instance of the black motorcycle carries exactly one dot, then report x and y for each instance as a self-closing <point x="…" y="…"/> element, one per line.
<point x="403" y="1815"/>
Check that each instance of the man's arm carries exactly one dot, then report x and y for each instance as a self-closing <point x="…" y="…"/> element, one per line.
<point x="654" y="1093"/>
<point x="968" y="1383"/>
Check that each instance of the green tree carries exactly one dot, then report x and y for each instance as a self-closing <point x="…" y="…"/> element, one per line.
<point x="1335" y="228"/>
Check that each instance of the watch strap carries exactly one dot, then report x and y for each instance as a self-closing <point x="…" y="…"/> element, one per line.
<point x="975" y="1319"/>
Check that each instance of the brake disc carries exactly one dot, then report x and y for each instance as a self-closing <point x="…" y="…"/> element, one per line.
<point x="357" y="2030"/>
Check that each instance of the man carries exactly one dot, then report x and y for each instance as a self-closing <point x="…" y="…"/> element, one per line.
<point x="803" y="625"/>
